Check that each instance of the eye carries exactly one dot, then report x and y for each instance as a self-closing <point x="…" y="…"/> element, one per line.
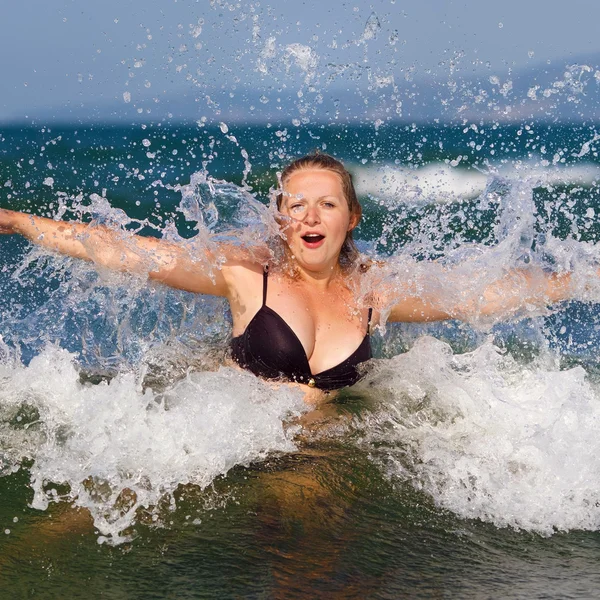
<point x="296" y="208"/>
<point x="329" y="204"/>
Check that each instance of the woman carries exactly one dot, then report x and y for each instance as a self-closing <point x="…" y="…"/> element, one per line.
<point x="300" y="319"/>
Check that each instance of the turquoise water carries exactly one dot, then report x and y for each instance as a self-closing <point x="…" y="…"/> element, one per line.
<point x="464" y="464"/>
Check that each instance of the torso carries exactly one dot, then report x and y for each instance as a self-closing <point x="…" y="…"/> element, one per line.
<point x="305" y="329"/>
<point x="327" y="322"/>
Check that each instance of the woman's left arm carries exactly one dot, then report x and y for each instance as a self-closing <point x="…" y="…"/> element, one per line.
<point x="518" y="289"/>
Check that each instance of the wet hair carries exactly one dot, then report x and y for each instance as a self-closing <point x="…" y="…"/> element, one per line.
<point x="349" y="253"/>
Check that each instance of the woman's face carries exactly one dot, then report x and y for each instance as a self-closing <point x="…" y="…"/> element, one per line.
<point x="319" y="218"/>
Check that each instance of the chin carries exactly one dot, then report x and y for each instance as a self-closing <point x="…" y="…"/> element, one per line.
<point x="315" y="265"/>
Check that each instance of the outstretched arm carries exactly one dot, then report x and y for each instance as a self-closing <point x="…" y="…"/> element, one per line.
<point x="517" y="289"/>
<point x="169" y="263"/>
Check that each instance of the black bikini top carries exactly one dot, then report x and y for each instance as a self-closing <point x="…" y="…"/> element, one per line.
<point x="270" y="349"/>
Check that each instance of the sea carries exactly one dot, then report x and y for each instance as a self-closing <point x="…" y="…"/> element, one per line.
<point x="135" y="462"/>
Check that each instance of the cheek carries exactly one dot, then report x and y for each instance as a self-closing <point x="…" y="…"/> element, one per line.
<point x="343" y="226"/>
<point x="285" y="222"/>
<point x="289" y="229"/>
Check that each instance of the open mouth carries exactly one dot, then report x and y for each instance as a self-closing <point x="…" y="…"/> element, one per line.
<point x="313" y="238"/>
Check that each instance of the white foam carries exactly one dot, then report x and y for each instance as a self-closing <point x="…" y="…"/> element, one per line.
<point x="515" y="445"/>
<point x="122" y="438"/>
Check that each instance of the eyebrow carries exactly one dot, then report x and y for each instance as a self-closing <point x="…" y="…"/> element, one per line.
<point x="292" y="197"/>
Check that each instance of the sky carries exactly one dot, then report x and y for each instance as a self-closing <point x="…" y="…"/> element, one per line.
<point x="71" y="58"/>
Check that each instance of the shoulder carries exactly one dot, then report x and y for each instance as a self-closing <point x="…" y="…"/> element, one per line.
<point x="242" y="268"/>
<point x="235" y="258"/>
<point x="372" y="276"/>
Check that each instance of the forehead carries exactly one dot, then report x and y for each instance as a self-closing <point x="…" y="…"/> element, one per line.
<point x="314" y="183"/>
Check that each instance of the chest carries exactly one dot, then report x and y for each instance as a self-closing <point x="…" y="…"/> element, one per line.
<point x="327" y="323"/>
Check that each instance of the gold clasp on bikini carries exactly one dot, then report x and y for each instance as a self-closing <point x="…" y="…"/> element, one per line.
<point x="312" y="382"/>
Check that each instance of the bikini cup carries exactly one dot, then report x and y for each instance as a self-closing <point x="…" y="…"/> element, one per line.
<point x="269" y="348"/>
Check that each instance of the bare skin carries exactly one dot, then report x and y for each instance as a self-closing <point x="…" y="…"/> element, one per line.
<point x="317" y="303"/>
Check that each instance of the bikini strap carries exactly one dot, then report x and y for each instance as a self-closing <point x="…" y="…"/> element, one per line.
<point x="369" y="320"/>
<point x="265" y="277"/>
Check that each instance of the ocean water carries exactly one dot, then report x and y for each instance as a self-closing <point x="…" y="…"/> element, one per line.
<point x="134" y="462"/>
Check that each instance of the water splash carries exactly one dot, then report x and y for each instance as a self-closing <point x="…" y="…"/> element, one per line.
<point x="116" y="447"/>
<point x="489" y="438"/>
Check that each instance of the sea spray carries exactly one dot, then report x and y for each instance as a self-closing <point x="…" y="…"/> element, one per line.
<point x="489" y="437"/>
<point x="93" y="445"/>
<point x="144" y="359"/>
<point x="114" y="319"/>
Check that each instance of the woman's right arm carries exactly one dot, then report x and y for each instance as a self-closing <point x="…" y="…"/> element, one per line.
<point x="166" y="262"/>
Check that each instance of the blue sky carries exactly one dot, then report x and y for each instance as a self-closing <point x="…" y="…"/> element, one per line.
<point x="70" y="55"/>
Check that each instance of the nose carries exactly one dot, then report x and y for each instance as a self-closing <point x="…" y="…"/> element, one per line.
<point x="312" y="215"/>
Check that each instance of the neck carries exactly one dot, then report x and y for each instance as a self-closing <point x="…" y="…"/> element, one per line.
<point x="318" y="278"/>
